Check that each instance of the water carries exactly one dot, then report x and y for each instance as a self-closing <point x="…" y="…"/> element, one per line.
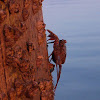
<point x="77" y="21"/>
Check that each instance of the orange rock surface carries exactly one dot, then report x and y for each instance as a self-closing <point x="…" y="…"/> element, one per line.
<point x="24" y="66"/>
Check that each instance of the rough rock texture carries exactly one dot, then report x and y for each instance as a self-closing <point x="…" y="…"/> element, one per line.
<point x="24" y="67"/>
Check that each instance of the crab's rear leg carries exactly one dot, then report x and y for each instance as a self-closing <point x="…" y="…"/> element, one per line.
<point x="50" y="54"/>
<point x="57" y="70"/>
<point x="58" y="76"/>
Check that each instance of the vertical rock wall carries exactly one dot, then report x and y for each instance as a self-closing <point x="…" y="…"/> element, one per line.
<point x="24" y="66"/>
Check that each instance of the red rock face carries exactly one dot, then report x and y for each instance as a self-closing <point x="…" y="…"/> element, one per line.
<point x="14" y="6"/>
<point x="24" y="66"/>
<point x="36" y="6"/>
<point x="2" y="16"/>
<point x="25" y="14"/>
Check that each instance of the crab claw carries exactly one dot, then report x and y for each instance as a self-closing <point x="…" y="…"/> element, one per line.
<point x="52" y="35"/>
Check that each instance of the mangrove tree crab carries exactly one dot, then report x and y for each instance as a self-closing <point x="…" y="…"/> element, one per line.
<point x="58" y="54"/>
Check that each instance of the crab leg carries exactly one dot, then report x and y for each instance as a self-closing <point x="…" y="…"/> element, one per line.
<point x="50" y="54"/>
<point x="58" y="76"/>
<point x="57" y="70"/>
<point x="50" y="42"/>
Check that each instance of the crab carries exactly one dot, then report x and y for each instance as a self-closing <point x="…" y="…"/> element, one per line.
<point x="58" y="54"/>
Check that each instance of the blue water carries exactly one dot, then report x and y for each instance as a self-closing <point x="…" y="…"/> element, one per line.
<point x="77" y="21"/>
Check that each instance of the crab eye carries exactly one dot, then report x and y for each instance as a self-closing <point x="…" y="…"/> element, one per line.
<point x="65" y="41"/>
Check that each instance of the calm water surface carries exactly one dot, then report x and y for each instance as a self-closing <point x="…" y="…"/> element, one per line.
<point x="77" y="21"/>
